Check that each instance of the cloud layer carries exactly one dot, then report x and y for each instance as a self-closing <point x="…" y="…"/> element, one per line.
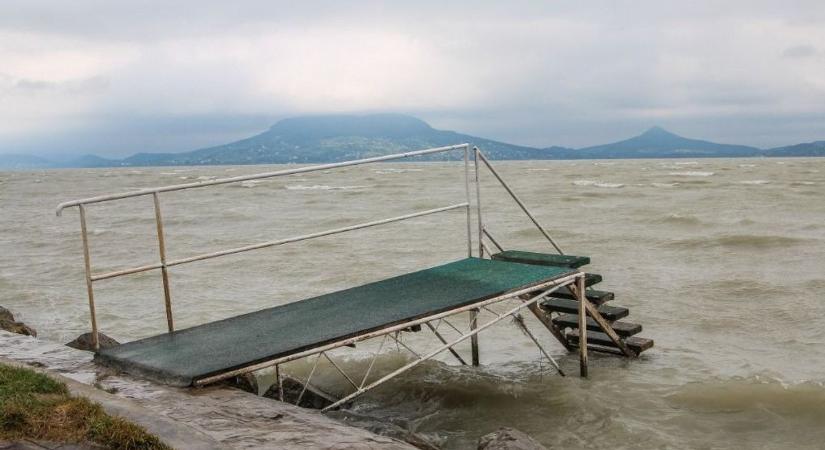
<point x="115" y="78"/>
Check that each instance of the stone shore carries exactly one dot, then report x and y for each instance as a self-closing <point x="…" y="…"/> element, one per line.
<point x="210" y="417"/>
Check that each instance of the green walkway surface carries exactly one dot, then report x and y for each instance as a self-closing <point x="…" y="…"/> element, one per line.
<point x="182" y="357"/>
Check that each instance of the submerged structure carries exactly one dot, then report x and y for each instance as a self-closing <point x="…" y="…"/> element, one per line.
<point x="550" y="286"/>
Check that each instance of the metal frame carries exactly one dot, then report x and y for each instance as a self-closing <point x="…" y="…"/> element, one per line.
<point x="527" y="297"/>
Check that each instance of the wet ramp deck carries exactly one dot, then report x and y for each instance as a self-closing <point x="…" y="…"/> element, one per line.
<point x="182" y="357"/>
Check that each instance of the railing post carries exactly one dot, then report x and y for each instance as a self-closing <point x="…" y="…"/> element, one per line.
<point x="163" y="269"/>
<point x="87" y="259"/>
<point x="478" y="206"/>
<point x="474" y="338"/>
<point x="580" y="293"/>
<point x="467" y="191"/>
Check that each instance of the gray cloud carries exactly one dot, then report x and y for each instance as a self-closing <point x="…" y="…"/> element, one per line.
<point x="116" y="77"/>
<point x="799" y="51"/>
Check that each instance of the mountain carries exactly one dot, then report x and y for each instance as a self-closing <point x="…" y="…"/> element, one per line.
<point x="319" y="139"/>
<point x="24" y="162"/>
<point x="816" y="148"/>
<point x="91" y="161"/>
<point x="316" y="139"/>
<point x="656" y="143"/>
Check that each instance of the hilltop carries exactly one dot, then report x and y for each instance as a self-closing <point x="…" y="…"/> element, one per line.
<point x="316" y="139"/>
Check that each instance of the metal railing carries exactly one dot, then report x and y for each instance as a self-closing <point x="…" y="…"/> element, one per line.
<point x="164" y="264"/>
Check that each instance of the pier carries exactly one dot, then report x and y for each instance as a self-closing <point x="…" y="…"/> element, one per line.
<point x="551" y="286"/>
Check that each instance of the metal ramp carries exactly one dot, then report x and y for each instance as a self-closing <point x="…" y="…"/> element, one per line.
<point x="313" y="327"/>
<point x="209" y="351"/>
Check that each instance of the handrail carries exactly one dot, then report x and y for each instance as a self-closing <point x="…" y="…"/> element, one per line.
<point x="304" y="237"/>
<point x="515" y="197"/>
<point x="164" y="264"/>
<point x="257" y="176"/>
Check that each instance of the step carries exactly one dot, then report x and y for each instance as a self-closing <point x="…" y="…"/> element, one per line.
<point x="623" y="329"/>
<point x="592" y="278"/>
<point x="611" y="313"/>
<point x="542" y="259"/>
<point x="595" y="297"/>
<point x="637" y="344"/>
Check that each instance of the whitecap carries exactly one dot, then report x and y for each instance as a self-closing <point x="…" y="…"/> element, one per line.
<point x="392" y="170"/>
<point x="745" y="166"/>
<point x="692" y="173"/>
<point x="686" y="163"/>
<point x="664" y="184"/>
<point x="584" y="182"/>
<point x="321" y="187"/>
<point x="595" y="183"/>
<point x="754" y="182"/>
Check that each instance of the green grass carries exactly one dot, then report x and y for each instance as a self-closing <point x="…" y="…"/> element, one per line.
<point x="34" y="406"/>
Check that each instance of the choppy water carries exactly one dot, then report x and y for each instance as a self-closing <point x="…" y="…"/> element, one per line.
<point x="720" y="260"/>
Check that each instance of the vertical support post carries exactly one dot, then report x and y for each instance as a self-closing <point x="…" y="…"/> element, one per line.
<point x="467" y="190"/>
<point x="87" y="259"/>
<point x="279" y="382"/>
<point x="580" y="293"/>
<point x="164" y="271"/>
<point x="474" y="337"/>
<point x="478" y="205"/>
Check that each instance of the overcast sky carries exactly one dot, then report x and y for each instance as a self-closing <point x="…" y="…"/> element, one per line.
<point x="115" y="78"/>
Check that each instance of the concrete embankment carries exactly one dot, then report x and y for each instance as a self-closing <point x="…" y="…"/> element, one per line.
<point x="211" y="417"/>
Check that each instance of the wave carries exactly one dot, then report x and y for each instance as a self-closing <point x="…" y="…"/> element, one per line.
<point x="664" y="184"/>
<point x="804" y="400"/>
<point x="596" y="183"/>
<point x="740" y="241"/>
<point x="755" y="182"/>
<point x="385" y="171"/>
<point x="692" y="173"/>
<point x="321" y="187"/>
<point x="679" y="219"/>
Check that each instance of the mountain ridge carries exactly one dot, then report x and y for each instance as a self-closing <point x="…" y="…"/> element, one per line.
<point x="340" y="137"/>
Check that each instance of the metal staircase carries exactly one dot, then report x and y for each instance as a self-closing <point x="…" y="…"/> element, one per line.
<point x="561" y="309"/>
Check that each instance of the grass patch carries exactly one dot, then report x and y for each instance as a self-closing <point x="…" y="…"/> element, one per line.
<point x="34" y="406"/>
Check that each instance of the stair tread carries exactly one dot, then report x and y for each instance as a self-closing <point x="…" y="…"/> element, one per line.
<point x="592" y="278"/>
<point x="611" y="313"/>
<point x="635" y="343"/>
<point x="542" y="259"/>
<point x="624" y="329"/>
<point x="595" y="297"/>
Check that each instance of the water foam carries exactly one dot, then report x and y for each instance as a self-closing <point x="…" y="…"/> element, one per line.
<point x="321" y="187"/>
<point x="692" y="173"/>
<point x="597" y="183"/>
<point x="755" y="182"/>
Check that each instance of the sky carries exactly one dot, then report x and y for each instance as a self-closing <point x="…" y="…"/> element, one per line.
<point x="115" y="78"/>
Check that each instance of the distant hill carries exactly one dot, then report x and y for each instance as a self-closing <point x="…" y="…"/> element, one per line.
<point x="816" y="148"/>
<point x="24" y="162"/>
<point x="318" y="139"/>
<point x="334" y="138"/>
<point x="656" y="143"/>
